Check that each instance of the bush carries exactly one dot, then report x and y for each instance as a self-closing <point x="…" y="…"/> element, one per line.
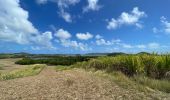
<point x="153" y="66"/>
<point x="53" y="61"/>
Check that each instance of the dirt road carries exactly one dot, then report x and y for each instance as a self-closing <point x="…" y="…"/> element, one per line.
<point x="75" y="84"/>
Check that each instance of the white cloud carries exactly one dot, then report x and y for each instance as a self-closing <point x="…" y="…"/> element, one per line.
<point x="92" y="5"/>
<point x="14" y="23"/>
<point x="62" y="5"/>
<point x="98" y="36"/>
<point x="44" y="40"/>
<point x="15" y="26"/>
<point x="64" y="39"/>
<point x="84" y="36"/>
<point x="63" y="34"/>
<point x="166" y="25"/>
<point x="132" y="18"/>
<point x="153" y="45"/>
<point x="74" y="44"/>
<point x="66" y="16"/>
<point x="127" y="46"/>
<point x="105" y="42"/>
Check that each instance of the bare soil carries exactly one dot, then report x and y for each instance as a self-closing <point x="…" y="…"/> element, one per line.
<point x="66" y="85"/>
<point x="75" y="84"/>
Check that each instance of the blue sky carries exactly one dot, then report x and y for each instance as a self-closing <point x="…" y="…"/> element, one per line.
<point x="84" y="26"/>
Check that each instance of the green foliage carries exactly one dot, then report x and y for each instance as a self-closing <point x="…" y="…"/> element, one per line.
<point x="143" y="70"/>
<point x="29" y="71"/>
<point x="60" y="60"/>
<point x="150" y="65"/>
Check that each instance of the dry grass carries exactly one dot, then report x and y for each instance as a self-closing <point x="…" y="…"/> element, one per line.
<point x="9" y="65"/>
<point x="70" y="85"/>
<point x="29" y="71"/>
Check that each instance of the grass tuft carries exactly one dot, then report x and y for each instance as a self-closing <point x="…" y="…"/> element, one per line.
<point x="141" y="71"/>
<point x="29" y="71"/>
<point x="1" y="67"/>
<point x="161" y="85"/>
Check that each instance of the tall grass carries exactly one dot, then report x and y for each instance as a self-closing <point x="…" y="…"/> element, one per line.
<point x="148" y="65"/>
<point x="149" y="70"/>
<point x="161" y="85"/>
<point x="29" y="71"/>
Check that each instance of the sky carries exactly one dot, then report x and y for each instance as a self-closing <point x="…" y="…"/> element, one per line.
<point x="84" y="26"/>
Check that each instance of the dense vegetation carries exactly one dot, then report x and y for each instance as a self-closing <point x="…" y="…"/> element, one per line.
<point x="150" y="70"/>
<point x="29" y="71"/>
<point x="59" y="60"/>
<point x="154" y="66"/>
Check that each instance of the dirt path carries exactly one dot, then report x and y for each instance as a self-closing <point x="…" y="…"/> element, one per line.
<point x="74" y="84"/>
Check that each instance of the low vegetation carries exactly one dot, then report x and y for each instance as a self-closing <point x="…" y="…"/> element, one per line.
<point x="1" y="67"/>
<point x="161" y="85"/>
<point x="60" y="60"/>
<point x="29" y="71"/>
<point x="149" y="70"/>
<point x="62" y="68"/>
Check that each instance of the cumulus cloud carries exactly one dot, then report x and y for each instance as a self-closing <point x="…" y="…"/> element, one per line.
<point x="63" y="5"/>
<point x="44" y="39"/>
<point x="102" y="41"/>
<point x="63" y="34"/>
<point x="166" y="25"/>
<point x="98" y="36"/>
<point x="15" y="26"/>
<point x="92" y="5"/>
<point x="65" y="40"/>
<point x="66" y="16"/>
<point x="165" y="28"/>
<point x="14" y="23"/>
<point x="132" y="18"/>
<point x="84" y="36"/>
<point x="75" y="44"/>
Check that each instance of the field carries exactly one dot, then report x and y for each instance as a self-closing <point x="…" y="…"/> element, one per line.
<point x="138" y="77"/>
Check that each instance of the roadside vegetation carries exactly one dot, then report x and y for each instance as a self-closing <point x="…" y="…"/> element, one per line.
<point x="29" y="71"/>
<point x="149" y="70"/>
